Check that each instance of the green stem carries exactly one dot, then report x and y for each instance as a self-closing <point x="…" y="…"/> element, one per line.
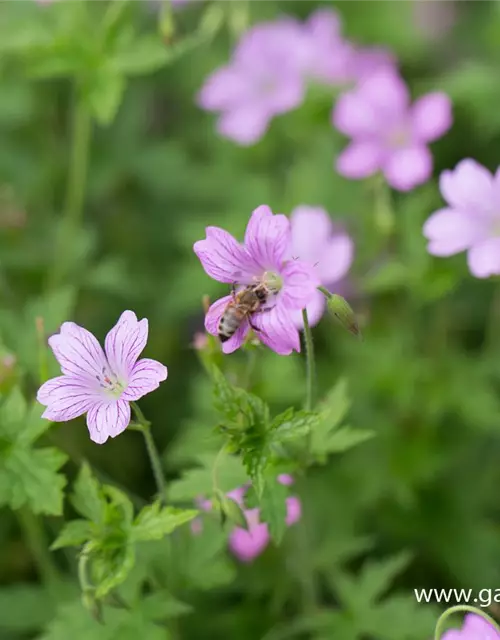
<point x="154" y="457"/>
<point x="492" y="333"/>
<point x="77" y="177"/>
<point x="36" y="540"/>
<point x="309" y="348"/>
<point x="460" y="608"/>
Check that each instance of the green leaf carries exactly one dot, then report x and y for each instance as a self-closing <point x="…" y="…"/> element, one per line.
<point x="346" y="438"/>
<point x="28" y="475"/>
<point x="162" y="605"/>
<point x="292" y="424"/>
<point x="154" y="522"/>
<point x="73" y="534"/>
<point x="198" y="481"/>
<point x="104" y="94"/>
<point x="238" y="406"/>
<point x="273" y="508"/>
<point x="25" y="608"/>
<point x="87" y="497"/>
<point x="111" y="567"/>
<point x="230" y="509"/>
<point x="147" y="54"/>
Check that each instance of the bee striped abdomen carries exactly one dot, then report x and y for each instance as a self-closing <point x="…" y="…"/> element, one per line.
<point x="228" y="325"/>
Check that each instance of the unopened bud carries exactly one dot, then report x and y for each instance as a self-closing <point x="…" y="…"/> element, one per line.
<point x="343" y="314"/>
<point x="229" y="510"/>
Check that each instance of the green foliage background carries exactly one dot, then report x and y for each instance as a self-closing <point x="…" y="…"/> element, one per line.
<point x="414" y="506"/>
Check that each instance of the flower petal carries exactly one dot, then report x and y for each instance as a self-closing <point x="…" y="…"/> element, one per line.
<point x="276" y="329"/>
<point x="299" y="284"/>
<point x="360" y="160"/>
<point x="268" y="238"/>
<point x="224" y="89"/>
<point x="108" y="419"/>
<point x="214" y="314"/>
<point x="293" y="510"/>
<point x="386" y="91"/>
<point x="469" y="187"/>
<point x="315" y="311"/>
<point x="224" y="259"/>
<point x="66" y="398"/>
<point x="336" y="258"/>
<point x="245" y="124"/>
<point x="450" y="231"/>
<point x="78" y="352"/>
<point x="247" y="545"/>
<point x="125" y="342"/>
<point x="476" y="627"/>
<point x="431" y="116"/>
<point x="311" y="230"/>
<point x="484" y="258"/>
<point x="212" y="320"/>
<point x="407" y="168"/>
<point x="145" y="377"/>
<point x="354" y="116"/>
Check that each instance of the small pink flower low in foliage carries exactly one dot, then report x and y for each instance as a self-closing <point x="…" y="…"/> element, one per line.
<point x="265" y="256"/>
<point x="100" y="383"/>
<point x="389" y="134"/>
<point x="329" y="250"/>
<point x="471" y="221"/>
<point x="474" y="628"/>
<point x="247" y="544"/>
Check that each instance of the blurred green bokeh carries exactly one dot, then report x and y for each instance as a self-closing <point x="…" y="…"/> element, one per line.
<point x="425" y="379"/>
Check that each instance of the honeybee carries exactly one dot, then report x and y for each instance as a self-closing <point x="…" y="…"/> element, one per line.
<point x="244" y="304"/>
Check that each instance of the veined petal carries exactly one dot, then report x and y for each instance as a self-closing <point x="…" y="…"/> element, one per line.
<point x="125" y="342"/>
<point x="78" y="352"/>
<point x="268" y="238"/>
<point x="66" y="398"/>
<point x="145" y="377"/>
<point x="299" y="283"/>
<point x="108" y="419"/>
<point x="224" y="259"/>
<point x="214" y="314"/>
<point x="212" y="320"/>
<point x="277" y="330"/>
<point x="315" y="311"/>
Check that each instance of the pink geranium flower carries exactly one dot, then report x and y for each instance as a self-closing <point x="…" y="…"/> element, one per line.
<point x="471" y="221"/>
<point x="388" y="133"/>
<point x="263" y="80"/>
<point x="100" y="383"/>
<point x="327" y="249"/>
<point x="264" y="257"/>
<point x="475" y="628"/>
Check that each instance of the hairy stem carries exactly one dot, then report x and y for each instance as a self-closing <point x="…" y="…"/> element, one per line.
<point x="154" y="457"/>
<point x="75" y="192"/>
<point x="36" y="540"/>
<point x="460" y="608"/>
<point x="310" y="368"/>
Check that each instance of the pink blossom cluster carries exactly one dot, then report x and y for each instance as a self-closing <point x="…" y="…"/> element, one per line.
<point x="247" y="544"/>
<point x="271" y="67"/>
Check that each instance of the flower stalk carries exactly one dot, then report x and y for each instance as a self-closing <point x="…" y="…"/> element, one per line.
<point x="310" y="365"/>
<point x="461" y="608"/>
<point x="144" y="426"/>
<point x="35" y="539"/>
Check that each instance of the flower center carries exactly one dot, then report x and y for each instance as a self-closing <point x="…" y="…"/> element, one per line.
<point x="273" y="281"/>
<point x="398" y="138"/>
<point x="109" y="382"/>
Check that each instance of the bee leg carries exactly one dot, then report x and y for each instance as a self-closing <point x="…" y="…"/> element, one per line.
<point x="252" y="326"/>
